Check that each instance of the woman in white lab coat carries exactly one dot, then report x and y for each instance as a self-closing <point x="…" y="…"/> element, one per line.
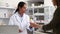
<point x="21" y="19"/>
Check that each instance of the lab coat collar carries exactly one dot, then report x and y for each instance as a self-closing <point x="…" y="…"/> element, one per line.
<point x="19" y="14"/>
<point x="19" y="17"/>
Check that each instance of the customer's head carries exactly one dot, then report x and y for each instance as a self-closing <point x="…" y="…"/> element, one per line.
<point x="21" y="8"/>
<point x="56" y="2"/>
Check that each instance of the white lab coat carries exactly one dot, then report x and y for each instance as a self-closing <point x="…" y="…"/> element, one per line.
<point x="23" y="25"/>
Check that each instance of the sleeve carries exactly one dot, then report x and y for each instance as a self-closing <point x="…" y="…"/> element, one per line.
<point x="11" y="21"/>
<point x="54" y="21"/>
<point x="28" y="22"/>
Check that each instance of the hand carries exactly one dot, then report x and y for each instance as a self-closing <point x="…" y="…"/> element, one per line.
<point x="40" y="26"/>
<point x="20" y="30"/>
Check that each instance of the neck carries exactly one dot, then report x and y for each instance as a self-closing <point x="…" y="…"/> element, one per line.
<point x="21" y="14"/>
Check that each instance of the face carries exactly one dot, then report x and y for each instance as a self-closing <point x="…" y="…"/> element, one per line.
<point x="54" y="2"/>
<point x="23" y="9"/>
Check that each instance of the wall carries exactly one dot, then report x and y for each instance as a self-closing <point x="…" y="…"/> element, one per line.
<point x="15" y="2"/>
<point x="11" y="3"/>
<point x="48" y="2"/>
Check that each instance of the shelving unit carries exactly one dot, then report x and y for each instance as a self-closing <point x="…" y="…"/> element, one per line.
<point x="39" y="8"/>
<point x="5" y="14"/>
<point x="41" y="14"/>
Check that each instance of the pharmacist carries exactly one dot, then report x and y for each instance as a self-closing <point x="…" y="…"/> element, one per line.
<point x="21" y="19"/>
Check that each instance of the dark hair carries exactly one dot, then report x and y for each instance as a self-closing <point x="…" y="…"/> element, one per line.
<point x="20" y="5"/>
<point x="58" y="2"/>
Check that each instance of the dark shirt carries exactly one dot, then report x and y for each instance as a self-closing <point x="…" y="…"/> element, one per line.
<point x="55" y="23"/>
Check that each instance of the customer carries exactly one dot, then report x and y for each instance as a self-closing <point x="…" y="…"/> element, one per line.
<point x="55" y="23"/>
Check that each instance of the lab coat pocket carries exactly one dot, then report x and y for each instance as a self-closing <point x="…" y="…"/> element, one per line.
<point x="18" y="25"/>
<point x="24" y="23"/>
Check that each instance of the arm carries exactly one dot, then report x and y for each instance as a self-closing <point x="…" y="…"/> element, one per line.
<point x="35" y="25"/>
<point x="54" y="21"/>
<point x="32" y="24"/>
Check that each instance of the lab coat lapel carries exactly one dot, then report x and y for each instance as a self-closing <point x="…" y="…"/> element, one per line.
<point x="23" y="23"/>
<point x="18" y="21"/>
<point x="18" y="18"/>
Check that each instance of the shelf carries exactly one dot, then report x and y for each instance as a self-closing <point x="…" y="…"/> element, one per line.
<point x="2" y="7"/>
<point x="39" y="14"/>
<point x="36" y="1"/>
<point x="39" y="22"/>
<point x="37" y="7"/>
<point x="4" y="18"/>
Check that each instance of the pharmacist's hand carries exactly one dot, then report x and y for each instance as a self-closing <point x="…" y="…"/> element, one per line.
<point x="20" y="30"/>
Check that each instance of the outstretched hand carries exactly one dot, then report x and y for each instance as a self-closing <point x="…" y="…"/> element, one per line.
<point x="40" y="26"/>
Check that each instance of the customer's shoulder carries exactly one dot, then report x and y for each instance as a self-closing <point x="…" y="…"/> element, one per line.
<point x="57" y="11"/>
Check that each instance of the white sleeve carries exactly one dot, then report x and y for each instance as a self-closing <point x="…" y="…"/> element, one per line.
<point x="11" y="21"/>
<point x="28" y="22"/>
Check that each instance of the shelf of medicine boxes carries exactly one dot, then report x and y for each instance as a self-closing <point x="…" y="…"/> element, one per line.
<point x="39" y="18"/>
<point x="46" y="14"/>
<point x="4" y="10"/>
<point x="32" y="9"/>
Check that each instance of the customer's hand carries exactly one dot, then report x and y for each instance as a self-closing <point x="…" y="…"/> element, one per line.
<point x="40" y="26"/>
<point x="20" y="30"/>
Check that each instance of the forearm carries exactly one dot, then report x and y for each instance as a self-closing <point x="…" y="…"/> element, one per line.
<point x="51" y="25"/>
<point x="35" y="25"/>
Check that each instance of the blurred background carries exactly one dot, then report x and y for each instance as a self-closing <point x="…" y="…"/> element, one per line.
<point x="41" y="11"/>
